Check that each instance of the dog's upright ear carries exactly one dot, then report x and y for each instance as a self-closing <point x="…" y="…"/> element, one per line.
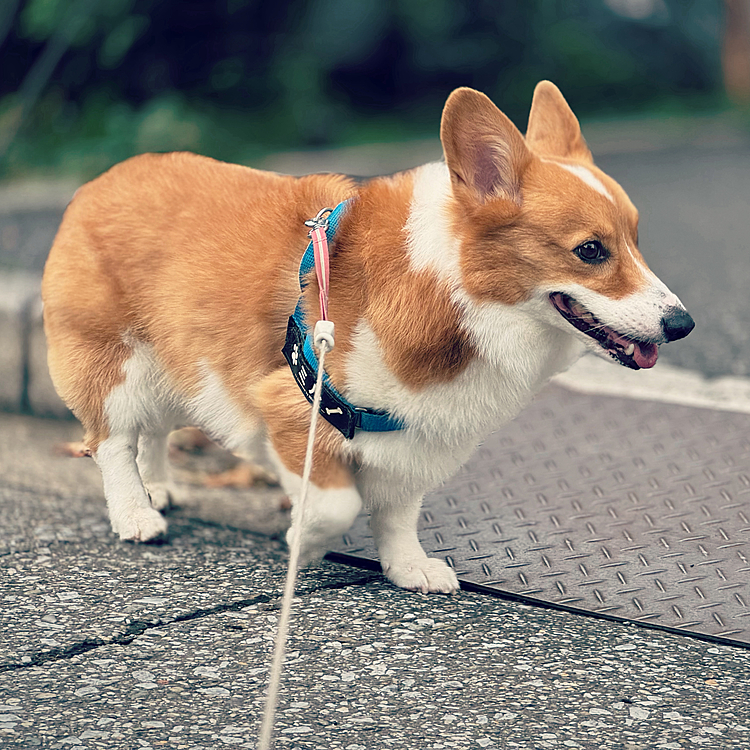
<point x="553" y="128"/>
<point x="484" y="150"/>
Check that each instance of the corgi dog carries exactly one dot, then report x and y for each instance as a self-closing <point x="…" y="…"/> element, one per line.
<point x="458" y="289"/>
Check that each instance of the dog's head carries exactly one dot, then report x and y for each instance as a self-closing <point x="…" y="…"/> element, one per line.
<point x="543" y="226"/>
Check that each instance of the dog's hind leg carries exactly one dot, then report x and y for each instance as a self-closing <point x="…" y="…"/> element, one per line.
<point x="153" y="466"/>
<point x="131" y="408"/>
<point x="133" y="414"/>
<point x="130" y="511"/>
<point x="110" y="379"/>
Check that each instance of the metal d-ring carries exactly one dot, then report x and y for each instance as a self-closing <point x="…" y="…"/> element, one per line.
<point x="319" y="221"/>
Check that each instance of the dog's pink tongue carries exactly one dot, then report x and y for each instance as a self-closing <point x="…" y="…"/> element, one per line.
<point x="645" y="355"/>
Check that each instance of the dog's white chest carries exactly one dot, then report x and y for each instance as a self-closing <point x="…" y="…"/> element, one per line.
<point x="445" y="422"/>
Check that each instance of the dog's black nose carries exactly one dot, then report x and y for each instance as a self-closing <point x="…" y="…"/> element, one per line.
<point x="677" y="324"/>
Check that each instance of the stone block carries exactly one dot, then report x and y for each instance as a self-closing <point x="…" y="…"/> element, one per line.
<point x="19" y="293"/>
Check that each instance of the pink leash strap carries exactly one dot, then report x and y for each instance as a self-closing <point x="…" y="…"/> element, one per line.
<point x="322" y="266"/>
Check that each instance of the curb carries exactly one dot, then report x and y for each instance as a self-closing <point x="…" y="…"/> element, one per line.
<point x="26" y="386"/>
<point x="25" y="383"/>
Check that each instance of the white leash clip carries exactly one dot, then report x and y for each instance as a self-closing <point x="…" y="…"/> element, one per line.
<point x="323" y="334"/>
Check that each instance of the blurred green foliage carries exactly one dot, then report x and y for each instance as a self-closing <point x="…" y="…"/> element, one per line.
<point x="86" y="83"/>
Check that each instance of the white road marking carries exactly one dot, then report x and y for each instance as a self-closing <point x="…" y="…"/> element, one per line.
<point x="664" y="383"/>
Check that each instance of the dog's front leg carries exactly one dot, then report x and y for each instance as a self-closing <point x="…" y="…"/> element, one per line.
<point x="330" y="508"/>
<point x="333" y="500"/>
<point x="404" y="562"/>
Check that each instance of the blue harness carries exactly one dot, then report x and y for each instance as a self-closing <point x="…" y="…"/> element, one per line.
<point x="303" y="362"/>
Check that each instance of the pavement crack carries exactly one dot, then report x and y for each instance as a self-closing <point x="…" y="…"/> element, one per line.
<point x="199" y="614"/>
<point x="139" y="627"/>
<point x="128" y="635"/>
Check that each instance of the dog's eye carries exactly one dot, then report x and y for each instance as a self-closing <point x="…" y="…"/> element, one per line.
<point x="592" y="251"/>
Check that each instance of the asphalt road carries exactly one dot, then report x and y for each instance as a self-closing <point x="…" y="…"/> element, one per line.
<point x="695" y="235"/>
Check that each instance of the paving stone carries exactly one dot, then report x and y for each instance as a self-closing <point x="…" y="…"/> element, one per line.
<point x="112" y="645"/>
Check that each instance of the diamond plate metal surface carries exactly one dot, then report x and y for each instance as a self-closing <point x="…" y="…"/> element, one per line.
<point x="628" y="509"/>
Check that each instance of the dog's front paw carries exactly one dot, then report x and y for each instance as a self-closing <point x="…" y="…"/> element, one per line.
<point x="428" y="575"/>
<point x="312" y="547"/>
<point x="142" y="525"/>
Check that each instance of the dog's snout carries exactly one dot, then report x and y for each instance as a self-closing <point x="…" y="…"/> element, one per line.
<point x="677" y="324"/>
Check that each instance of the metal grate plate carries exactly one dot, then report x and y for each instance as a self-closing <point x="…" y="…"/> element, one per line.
<point x="628" y="509"/>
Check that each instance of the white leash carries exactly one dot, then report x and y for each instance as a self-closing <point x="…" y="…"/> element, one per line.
<point x="323" y="340"/>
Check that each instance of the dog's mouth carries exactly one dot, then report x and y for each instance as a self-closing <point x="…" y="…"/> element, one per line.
<point x="625" y="350"/>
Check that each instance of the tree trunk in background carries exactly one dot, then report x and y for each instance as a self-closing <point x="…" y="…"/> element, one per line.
<point x="736" y="50"/>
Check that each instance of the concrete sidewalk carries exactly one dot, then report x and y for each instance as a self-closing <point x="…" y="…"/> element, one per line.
<point x="111" y="645"/>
